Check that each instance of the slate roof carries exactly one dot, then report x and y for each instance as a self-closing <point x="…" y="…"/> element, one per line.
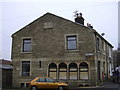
<point x="6" y="64"/>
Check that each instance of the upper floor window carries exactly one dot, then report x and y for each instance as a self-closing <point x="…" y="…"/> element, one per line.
<point x="98" y="44"/>
<point x="27" y="47"/>
<point x="71" y="42"/>
<point x="103" y="45"/>
<point x="110" y="52"/>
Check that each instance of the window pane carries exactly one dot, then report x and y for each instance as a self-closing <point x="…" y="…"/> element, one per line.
<point x="71" y="42"/>
<point x="52" y="66"/>
<point x="73" y="69"/>
<point x="53" y="75"/>
<point x="40" y="64"/>
<point x="98" y="44"/>
<point x="73" y="75"/>
<point x="27" y="45"/>
<point x="62" y="71"/>
<point x="71" y="38"/>
<point x="83" y="75"/>
<point x="53" y="70"/>
<point x="49" y="80"/>
<point x="83" y="69"/>
<point x="26" y="68"/>
<point x="22" y="85"/>
<point x="41" y="80"/>
<point x="62" y="75"/>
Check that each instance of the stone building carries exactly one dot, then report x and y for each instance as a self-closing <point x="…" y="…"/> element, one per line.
<point x="62" y="49"/>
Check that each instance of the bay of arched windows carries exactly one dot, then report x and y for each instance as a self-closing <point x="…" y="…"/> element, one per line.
<point x="72" y="71"/>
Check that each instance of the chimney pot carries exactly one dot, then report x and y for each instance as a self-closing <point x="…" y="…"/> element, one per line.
<point x="89" y="25"/>
<point x="80" y="14"/>
<point x="79" y="18"/>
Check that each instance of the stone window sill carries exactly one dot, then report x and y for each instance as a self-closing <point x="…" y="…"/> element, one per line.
<point x="26" y="52"/>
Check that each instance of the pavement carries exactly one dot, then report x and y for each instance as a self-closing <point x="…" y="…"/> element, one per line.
<point x="106" y="85"/>
<point x="109" y="84"/>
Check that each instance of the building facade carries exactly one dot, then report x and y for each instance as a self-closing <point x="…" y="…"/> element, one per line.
<point x="62" y="49"/>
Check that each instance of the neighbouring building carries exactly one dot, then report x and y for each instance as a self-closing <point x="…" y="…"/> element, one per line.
<point x="6" y="73"/>
<point x="62" y="49"/>
<point x="116" y="53"/>
<point x="116" y="57"/>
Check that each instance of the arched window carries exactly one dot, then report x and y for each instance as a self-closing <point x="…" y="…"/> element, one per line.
<point x="73" y="71"/>
<point x="62" y="71"/>
<point x="84" y="71"/>
<point x="53" y="70"/>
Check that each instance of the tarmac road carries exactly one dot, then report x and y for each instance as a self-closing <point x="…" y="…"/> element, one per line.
<point x="107" y="85"/>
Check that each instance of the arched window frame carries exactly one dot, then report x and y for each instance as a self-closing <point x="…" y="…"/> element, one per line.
<point x="52" y="69"/>
<point x="84" y="71"/>
<point x="73" y="69"/>
<point x="62" y="70"/>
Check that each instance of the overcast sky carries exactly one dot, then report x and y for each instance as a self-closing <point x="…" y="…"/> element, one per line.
<point x="15" y="15"/>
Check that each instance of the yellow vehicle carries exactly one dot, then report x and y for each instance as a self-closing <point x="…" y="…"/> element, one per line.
<point x="46" y="82"/>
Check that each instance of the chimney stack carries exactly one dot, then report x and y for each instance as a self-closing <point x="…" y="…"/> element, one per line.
<point x="79" y="18"/>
